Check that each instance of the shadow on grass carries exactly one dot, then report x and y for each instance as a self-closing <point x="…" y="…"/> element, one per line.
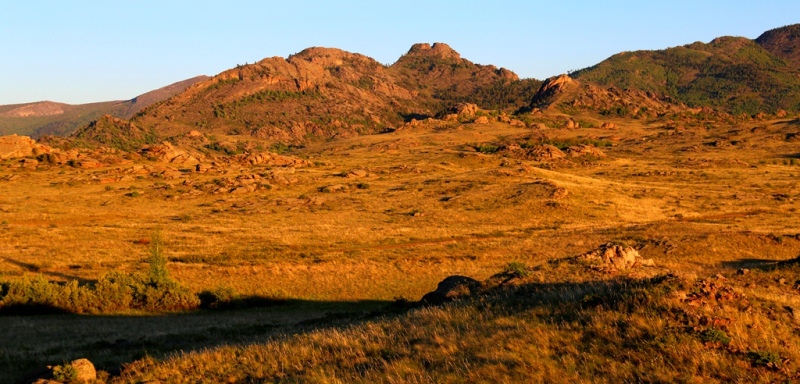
<point x="762" y="264"/>
<point x="37" y="335"/>
<point x="407" y="117"/>
<point x="35" y="268"/>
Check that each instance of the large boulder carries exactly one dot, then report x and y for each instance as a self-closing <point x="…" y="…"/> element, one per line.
<point x="77" y="371"/>
<point x="168" y="153"/>
<point x="463" y="109"/>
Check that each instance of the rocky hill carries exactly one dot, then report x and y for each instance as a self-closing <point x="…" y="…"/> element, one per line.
<point x="735" y="74"/>
<point x="327" y="92"/>
<point x="51" y="118"/>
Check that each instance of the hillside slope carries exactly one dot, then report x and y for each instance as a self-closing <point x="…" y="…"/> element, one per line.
<point x="735" y="74"/>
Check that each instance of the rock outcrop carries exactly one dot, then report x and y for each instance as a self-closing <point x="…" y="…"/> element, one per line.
<point x="611" y="257"/>
<point x="12" y="147"/>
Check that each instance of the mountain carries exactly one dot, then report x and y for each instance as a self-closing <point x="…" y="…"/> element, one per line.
<point x="47" y="117"/>
<point x="734" y="74"/>
<point x="328" y="92"/>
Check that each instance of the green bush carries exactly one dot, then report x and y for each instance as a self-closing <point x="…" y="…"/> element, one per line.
<point x="517" y="269"/>
<point x="764" y="359"/>
<point x="65" y="373"/>
<point x="486" y="148"/>
<point x="713" y="335"/>
<point x="152" y="291"/>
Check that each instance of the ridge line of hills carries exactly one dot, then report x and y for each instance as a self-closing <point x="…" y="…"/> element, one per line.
<point x="330" y="93"/>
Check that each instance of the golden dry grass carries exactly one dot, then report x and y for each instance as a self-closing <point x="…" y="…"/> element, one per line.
<point x="430" y="207"/>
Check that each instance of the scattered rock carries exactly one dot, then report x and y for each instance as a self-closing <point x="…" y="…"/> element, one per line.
<point x="167" y="153"/>
<point x="481" y="120"/>
<point x="463" y="109"/>
<point x="357" y="173"/>
<point x="608" y="126"/>
<point x="517" y="123"/>
<point x="450" y="289"/>
<point x="584" y="150"/>
<point x="613" y="257"/>
<point x="546" y="152"/>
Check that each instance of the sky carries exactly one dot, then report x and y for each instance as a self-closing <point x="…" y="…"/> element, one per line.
<point x="76" y="51"/>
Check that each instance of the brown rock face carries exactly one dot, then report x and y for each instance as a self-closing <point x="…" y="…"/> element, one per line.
<point x="20" y="146"/>
<point x="440" y="50"/>
<point x="551" y="87"/>
<point x="463" y="109"/>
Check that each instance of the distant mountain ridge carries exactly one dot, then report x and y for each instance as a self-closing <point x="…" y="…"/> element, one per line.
<point x="330" y="93"/>
<point x="47" y="117"/>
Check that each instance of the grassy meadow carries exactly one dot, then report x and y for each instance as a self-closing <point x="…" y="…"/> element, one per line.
<point x="325" y="266"/>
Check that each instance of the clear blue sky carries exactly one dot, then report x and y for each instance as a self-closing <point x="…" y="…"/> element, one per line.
<point x="85" y="51"/>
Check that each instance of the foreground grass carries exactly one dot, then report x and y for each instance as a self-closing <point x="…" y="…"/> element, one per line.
<point x="660" y="329"/>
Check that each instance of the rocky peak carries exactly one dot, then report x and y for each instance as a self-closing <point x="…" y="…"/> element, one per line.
<point x="552" y="86"/>
<point x="440" y="50"/>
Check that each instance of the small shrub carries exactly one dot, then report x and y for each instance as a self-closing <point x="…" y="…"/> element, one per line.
<point x="713" y="335"/>
<point x="517" y="269"/>
<point x="486" y="148"/>
<point x="362" y="186"/>
<point x="764" y="359"/>
<point x="150" y="291"/>
<point x="133" y="194"/>
<point x="157" y="261"/>
<point x="65" y="373"/>
<point x="218" y="298"/>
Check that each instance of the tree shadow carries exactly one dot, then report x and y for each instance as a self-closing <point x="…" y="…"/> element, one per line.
<point x="761" y="264"/>
<point x="35" y="268"/>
